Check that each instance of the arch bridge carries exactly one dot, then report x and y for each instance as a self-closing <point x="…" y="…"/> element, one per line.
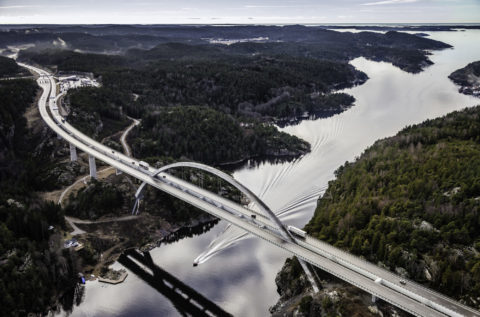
<point x="380" y="283"/>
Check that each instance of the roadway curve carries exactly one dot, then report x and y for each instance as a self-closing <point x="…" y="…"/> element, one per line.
<point x="123" y="138"/>
<point x="385" y="285"/>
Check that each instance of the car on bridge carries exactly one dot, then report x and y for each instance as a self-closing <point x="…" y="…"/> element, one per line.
<point x="296" y="231"/>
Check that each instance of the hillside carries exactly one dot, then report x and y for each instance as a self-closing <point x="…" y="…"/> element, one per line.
<point x="34" y="269"/>
<point x="8" y="68"/>
<point x="410" y="203"/>
<point x="209" y="136"/>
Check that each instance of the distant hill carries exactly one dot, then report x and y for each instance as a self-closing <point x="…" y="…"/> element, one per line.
<point x="403" y="50"/>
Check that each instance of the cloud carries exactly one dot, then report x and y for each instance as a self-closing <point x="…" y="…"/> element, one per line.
<point x="20" y="7"/>
<point x="251" y="6"/>
<point x="35" y="6"/>
<point x="388" y="2"/>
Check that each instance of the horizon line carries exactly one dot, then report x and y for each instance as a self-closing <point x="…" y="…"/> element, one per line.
<point x="253" y="24"/>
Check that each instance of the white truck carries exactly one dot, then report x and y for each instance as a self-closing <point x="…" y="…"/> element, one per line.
<point x="296" y="231"/>
<point x="143" y="165"/>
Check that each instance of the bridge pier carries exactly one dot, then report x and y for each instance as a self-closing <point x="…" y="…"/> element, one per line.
<point x="73" y="153"/>
<point x="374" y="299"/>
<point x="138" y="197"/>
<point x="118" y="172"/>
<point x="93" y="167"/>
<point x="309" y="275"/>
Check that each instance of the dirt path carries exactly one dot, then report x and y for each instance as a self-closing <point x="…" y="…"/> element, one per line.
<point x="72" y="221"/>
<point x="123" y="218"/>
<point x="123" y="138"/>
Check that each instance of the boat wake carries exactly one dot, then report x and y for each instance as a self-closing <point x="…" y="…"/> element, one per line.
<point x="231" y="235"/>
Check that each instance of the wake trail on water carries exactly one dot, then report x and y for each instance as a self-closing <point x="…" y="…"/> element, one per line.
<point x="277" y="177"/>
<point x="232" y="235"/>
<point x="274" y="179"/>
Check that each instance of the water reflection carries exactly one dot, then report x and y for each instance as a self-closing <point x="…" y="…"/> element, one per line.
<point x="186" y="300"/>
<point x="188" y="232"/>
<point x="72" y="297"/>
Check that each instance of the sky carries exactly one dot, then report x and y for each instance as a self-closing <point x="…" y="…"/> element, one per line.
<point x="237" y="12"/>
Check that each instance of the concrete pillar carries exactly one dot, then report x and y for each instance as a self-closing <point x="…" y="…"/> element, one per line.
<point x="73" y="153"/>
<point x="93" y="167"/>
<point x="117" y="171"/>
<point x="310" y="277"/>
<point x="374" y="298"/>
<point x="138" y="198"/>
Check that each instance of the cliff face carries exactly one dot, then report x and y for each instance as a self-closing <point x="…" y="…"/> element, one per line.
<point x="410" y="204"/>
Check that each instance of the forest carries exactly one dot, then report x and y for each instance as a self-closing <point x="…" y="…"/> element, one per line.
<point x="205" y="135"/>
<point x="8" y="68"/>
<point x="246" y="89"/>
<point x="411" y="202"/>
<point x="34" y="268"/>
<point x="180" y="74"/>
<point x="406" y="51"/>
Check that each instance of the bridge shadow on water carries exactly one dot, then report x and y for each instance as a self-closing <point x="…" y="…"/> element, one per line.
<point x="185" y="299"/>
<point x="188" y="232"/>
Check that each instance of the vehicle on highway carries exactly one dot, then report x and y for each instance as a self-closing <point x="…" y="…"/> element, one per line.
<point x="254" y="216"/>
<point x="296" y="231"/>
<point x="402" y="282"/>
<point x="143" y="165"/>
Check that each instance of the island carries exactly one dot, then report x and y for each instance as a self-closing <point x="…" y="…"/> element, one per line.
<point x="468" y="78"/>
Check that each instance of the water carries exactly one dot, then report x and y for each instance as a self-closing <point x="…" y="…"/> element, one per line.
<point x="240" y="277"/>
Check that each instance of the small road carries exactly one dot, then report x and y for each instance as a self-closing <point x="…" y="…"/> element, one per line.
<point x="71" y="220"/>
<point x="80" y="180"/>
<point x="123" y="138"/>
<point x="88" y="222"/>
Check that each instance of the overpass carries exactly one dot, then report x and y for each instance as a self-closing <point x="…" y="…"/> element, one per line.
<point x="406" y="295"/>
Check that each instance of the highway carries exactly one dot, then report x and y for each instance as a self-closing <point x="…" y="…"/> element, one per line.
<point x="379" y="282"/>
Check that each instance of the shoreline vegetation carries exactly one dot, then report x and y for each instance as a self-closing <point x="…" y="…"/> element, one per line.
<point x="238" y="91"/>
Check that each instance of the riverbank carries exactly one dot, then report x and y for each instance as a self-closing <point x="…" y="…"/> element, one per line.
<point x="104" y="240"/>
